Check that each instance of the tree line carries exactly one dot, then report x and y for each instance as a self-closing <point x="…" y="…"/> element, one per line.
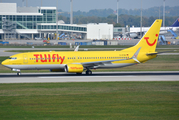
<point x="153" y="11"/>
<point x="124" y="20"/>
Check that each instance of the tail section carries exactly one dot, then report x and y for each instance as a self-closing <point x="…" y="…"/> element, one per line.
<point x="176" y="23"/>
<point x="148" y="42"/>
<point x="145" y="49"/>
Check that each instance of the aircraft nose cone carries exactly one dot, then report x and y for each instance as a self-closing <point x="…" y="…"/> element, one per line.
<point x="4" y="62"/>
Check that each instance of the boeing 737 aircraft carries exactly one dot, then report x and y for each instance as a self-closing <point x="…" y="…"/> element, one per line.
<point x="79" y="61"/>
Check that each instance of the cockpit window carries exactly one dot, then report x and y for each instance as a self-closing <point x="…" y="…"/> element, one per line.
<point x="13" y="58"/>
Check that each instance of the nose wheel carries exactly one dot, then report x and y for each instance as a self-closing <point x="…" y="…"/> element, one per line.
<point x="18" y="73"/>
<point x="88" y="72"/>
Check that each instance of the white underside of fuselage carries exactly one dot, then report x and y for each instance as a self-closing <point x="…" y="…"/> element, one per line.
<point x="62" y="66"/>
<point x="36" y="67"/>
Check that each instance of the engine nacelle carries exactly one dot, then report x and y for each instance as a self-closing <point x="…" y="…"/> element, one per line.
<point x="74" y="68"/>
<point x="133" y="35"/>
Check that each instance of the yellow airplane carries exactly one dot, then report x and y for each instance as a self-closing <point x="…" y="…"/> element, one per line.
<point x="79" y="61"/>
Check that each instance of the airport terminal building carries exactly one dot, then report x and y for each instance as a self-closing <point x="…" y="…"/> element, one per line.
<point x="30" y="22"/>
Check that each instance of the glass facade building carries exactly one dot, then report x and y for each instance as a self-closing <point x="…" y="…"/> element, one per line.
<point x="29" y="21"/>
<point x="63" y="27"/>
<point x="34" y="21"/>
<point x="49" y="16"/>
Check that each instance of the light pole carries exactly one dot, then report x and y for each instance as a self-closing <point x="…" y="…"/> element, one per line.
<point x="159" y="12"/>
<point x="26" y="3"/>
<point x="163" y="13"/>
<point x="57" y="21"/>
<point x="41" y="26"/>
<point x="22" y="3"/>
<point x="141" y="22"/>
<point x="117" y="10"/>
<point x="71" y="13"/>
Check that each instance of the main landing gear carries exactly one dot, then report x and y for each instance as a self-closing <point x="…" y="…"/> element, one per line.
<point x="19" y="73"/>
<point x="88" y="72"/>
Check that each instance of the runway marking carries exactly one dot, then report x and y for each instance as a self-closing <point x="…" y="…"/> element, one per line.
<point x="51" y="77"/>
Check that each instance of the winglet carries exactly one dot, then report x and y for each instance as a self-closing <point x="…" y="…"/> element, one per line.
<point x="134" y="57"/>
<point x="76" y="49"/>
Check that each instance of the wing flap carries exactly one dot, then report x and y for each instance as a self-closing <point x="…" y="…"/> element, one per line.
<point x="102" y="62"/>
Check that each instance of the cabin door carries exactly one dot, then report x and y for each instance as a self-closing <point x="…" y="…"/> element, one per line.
<point x="25" y="59"/>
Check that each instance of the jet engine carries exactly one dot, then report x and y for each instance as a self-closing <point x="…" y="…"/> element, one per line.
<point x="133" y="35"/>
<point x="74" y="68"/>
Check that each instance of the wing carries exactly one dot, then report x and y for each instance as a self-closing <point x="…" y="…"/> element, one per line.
<point x="96" y="63"/>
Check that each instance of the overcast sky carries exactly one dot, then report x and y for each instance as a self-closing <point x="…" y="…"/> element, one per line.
<point x="86" y="5"/>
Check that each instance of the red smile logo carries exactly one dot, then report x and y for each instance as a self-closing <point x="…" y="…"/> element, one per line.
<point x="150" y="44"/>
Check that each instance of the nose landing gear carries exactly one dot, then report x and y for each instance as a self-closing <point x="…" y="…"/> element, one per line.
<point x="17" y="70"/>
<point x="19" y="73"/>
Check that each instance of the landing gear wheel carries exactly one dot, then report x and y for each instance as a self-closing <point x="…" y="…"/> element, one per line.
<point x="18" y="73"/>
<point x="88" y="72"/>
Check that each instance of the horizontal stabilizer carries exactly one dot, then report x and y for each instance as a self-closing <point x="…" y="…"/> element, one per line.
<point x="156" y="53"/>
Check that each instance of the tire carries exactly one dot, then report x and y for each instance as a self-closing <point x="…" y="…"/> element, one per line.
<point x="88" y="72"/>
<point x="18" y="73"/>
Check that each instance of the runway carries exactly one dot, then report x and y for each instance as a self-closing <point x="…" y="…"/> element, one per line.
<point x="95" y="77"/>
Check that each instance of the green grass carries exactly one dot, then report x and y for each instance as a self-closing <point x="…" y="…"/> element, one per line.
<point x="85" y="101"/>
